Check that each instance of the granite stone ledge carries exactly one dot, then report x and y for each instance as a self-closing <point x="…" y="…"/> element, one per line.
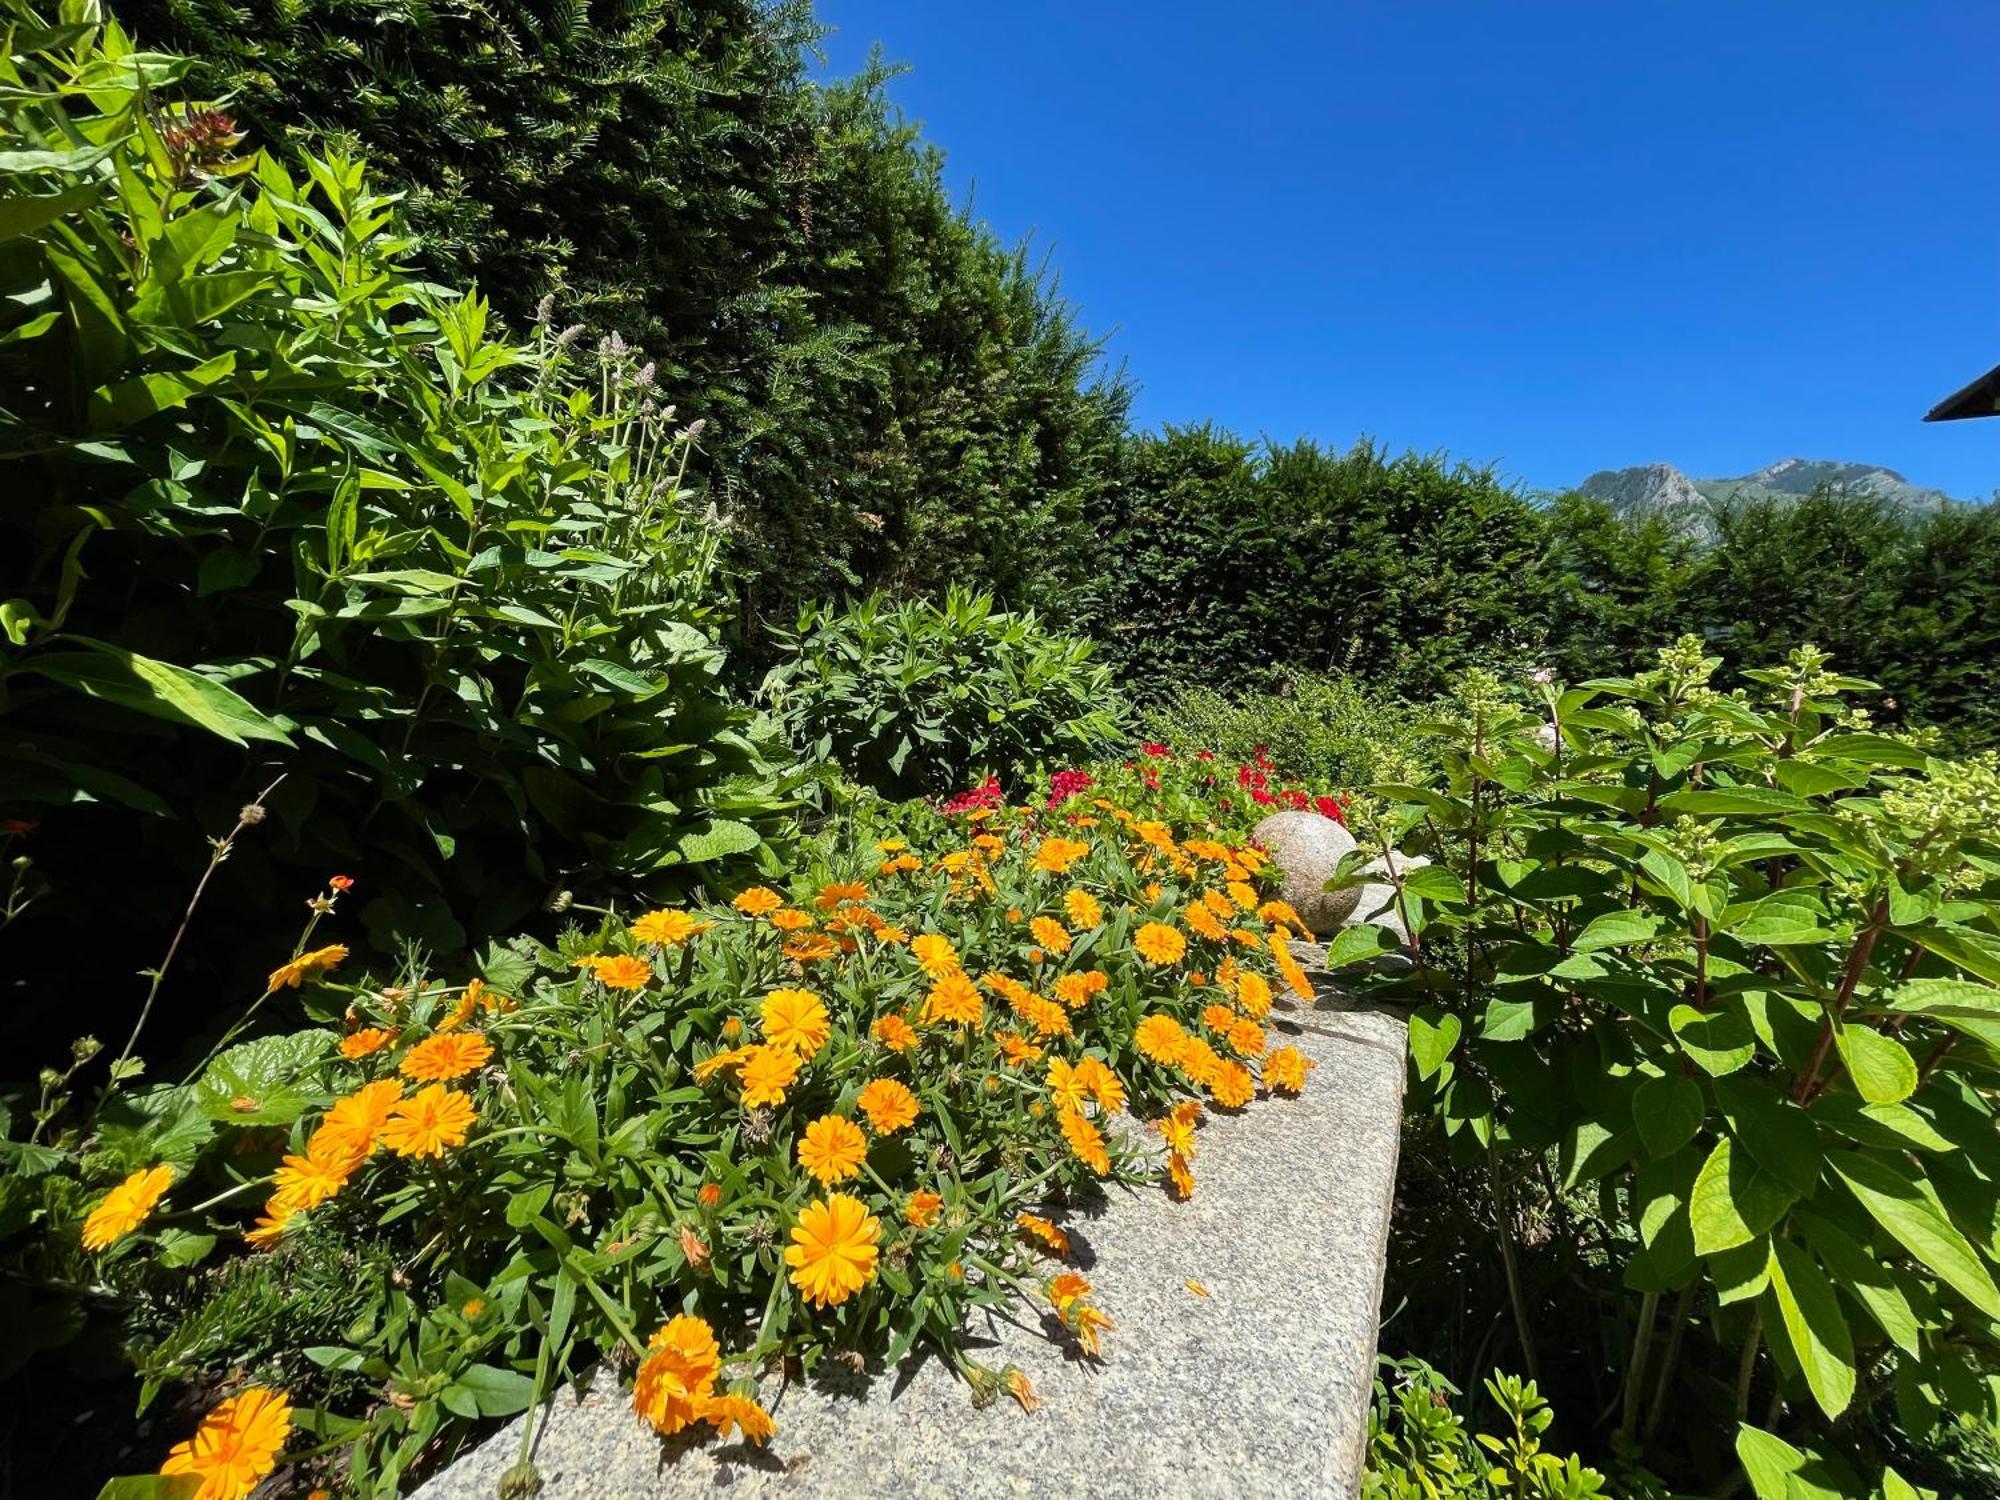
<point x="1260" y="1388"/>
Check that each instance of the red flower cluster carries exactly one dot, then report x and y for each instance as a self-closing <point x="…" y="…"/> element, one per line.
<point x="1066" y="784"/>
<point x="986" y="794"/>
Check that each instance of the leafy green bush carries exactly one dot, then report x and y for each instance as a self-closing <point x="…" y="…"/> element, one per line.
<point x="1420" y="1449"/>
<point x="285" y="514"/>
<point x="1329" y="731"/>
<point x="1732" y="959"/>
<point x="927" y="698"/>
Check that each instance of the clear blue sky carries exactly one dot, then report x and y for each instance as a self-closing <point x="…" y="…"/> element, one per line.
<point x="1557" y="236"/>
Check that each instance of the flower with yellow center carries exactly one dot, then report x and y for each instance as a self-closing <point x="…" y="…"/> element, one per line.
<point x="1057" y="854"/>
<point x="1066" y="1089"/>
<point x="1103" y="1084"/>
<point x="451" y="1055"/>
<point x="889" y="1105"/>
<point x="1199" y="1061"/>
<point x="1286" y="1069"/>
<point x="304" y="1182"/>
<point x="728" y="1412"/>
<point x="1243" y="894"/>
<point x="1046" y="1233"/>
<point x="921" y="1209"/>
<point x="621" y="971"/>
<point x="840" y="893"/>
<point x="1232" y="1086"/>
<point x="313" y="966"/>
<point x="1159" y="944"/>
<point x="954" y="999"/>
<point x="236" y="1445"/>
<point x="1064" y="1289"/>
<point x="1253" y="994"/>
<point x="833" y="1149"/>
<point x="429" y="1123"/>
<point x="126" y="1207"/>
<point x="1246" y="1038"/>
<point x="677" y="1376"/>
<point x="894" y="1033"/>
<point x="767" y="1073"/>
<point x="934" y="954"/>
<point x="1201" y="921"/>
<point x="791" y="920"/>
<point x="353" y="1126"/>
<point x="758" y="901"/>
<point x="1074" y="990"/>
<point x="1050" y="933"/>
<point x="1086" y="1141"/>
<point x="1177" y="1127"/>
<point x="795" y="1020"/>
<point x="365" y="1042"/>
<point x="1219" y="906"/>
<point x="1083" y="908"/>
<point x="833" y="1249"/>
<point x="668" y="927"/>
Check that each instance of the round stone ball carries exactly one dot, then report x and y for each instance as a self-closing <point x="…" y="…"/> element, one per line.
<point x="1307" y="849"/>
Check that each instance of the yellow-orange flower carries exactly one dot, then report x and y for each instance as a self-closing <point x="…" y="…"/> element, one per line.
<point x="808" y="947"/>
<point x="1103" y="1084"/>
<point x="1281" y="914"/>
<point x="236" y="1445"/>
<point x="668" y="928"/>
<point x="1161" y="1039"/>
<point x="1243" y="894"/>
<point x="621" y="971"/>
<point x="1086" y="1141"/>
<point x="677" y="1376"/>
<point x="767" y="1073"/>
<point x="1200" y="1061"/>
<point x="1177" y="1127"/>
<point x="791" y="920"/>
<point x="1218" y="1017"/>
<point x="270" y="1227"/>
<point x="1084" y="1322"/>
<point x="833" y="1249"/>
<point x="1232" y="1085"/>
<point x="921" y="1209"/>
<point x="758" y="901"/>
<point x="1159" y="944"/>
<point x="126" y="1207"/>
<point x="304" y="1182"/>
<point x="451" y="1055"/>
<point x="1066" y="1088"/>
<point x="1286" y="1069"/>
<point x="1050" y="933"/>
<point x="429" y="1122"/>
<point x="312" y="966"/>
<point x="1057" y="854"/>
<point x="935" y="954"/>
<point x="833" y="1149"/>
<point x="1064" y="1289"/>
<point x="1246" y="1038"/>
<point x="894" y="1033"/>
<point x="1046" y="1233"/>
<point x="1083" y="908"/>
<point x="1180" y="1174"/>
<point x="1074" y="990"/>
<point x="889" y="1105"/>
<point x="365" y="1042"/>
<point x="840" y="893"/>
<point x="1201" y="921"/>
<point x="727" y="1411"/>
<point x="954" y="999"/>
<point x="353" y="1126"/>
<point x="1253" y="994"/>
<point x="795" y="1020"/>
<point x="720" y="1062"/>
<point x="1017" y="1049"/>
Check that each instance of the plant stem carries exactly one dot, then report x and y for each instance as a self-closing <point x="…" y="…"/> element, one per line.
<point x="1746" y="1367"/>
<point x="1682" y="1309"/>
<point x="1850" y="980"/>
<point x="1635" y="1374"/>
<point x="1504" y="1219"/>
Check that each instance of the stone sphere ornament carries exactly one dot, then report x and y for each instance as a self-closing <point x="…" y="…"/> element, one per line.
<point x="1307" y="848"/>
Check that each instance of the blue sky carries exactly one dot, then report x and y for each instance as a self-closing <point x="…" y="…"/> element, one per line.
<point x="1554" y="236"/>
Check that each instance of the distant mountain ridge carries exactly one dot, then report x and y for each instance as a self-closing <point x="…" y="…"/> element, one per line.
<point x="1662" y="487"/>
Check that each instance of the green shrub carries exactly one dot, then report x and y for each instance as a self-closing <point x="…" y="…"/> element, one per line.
<point x="1331" y="732"/>
<point x="928" y="698"/>
<point x="282" y="513"/>
<point x="1730" y="961"/>
<point x="1420" y="1449"/>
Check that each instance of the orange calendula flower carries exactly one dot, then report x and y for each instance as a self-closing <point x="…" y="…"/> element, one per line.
<point x="668" y="928"/>
<point x="721" y="1062"/>
<point x="1232" y="1086"/>
<point x="126" y="1207"/>
<point x="795" y="1020"/>
<point x="621" y="971"/>
<point x="1017" y="1049"/>
<point x="1161" y="1039"/>
<point x="1286" y="1069"/>
<point x="1066" y="1088"/>
<point x="1057" y="854"/>
<point x="677" y="1376"/>
<point x="1021" y="1388"/>
<point x="1177" y="1127"/>
<point x="1159" y="944"/>
<point x="889" y="1105"/>
<point x="1280" y="914"/>
<point x="809" y="947"/>
<point x="934" y="954"/>
<point x="710" y="1194"/>
<point x="921" y="1209"/>
<point x="1103" y="1084"/>
<point x="894" y="1033"/>
<point x="1243" y="894"/>
<point x="1083" y="908"/>
<point x="313" y="966"/>
<point x="758" y="901"/>
<point x="1217" y="1017"/>
<point x="1085" y="1321"/>
<point x="1219" y="906"/>
<point x="1201" y="921"/>
<point x="429" y="1122"/>
<point x="236" y="1445"/>
<point x="1050" y="934"/>
<point x="840" y="893"/>
<point x="1253" y="994"/>
<point x="1046" y="1233"/>
<point x="304" y="1182"/>
<point x="1074" y="990"/>
<point x="954" y="999"/>
<point x="1246" y="1038"/>
<point x="353" y="1126"/>
<point x="833" y="1149"/>
<point x="729" y="1412"/>
<point x="1180" y="1175"/>
<point x="270" y="1227"/>
<point x="791" y="920"/>
<point x="365" y="1042"/>
<point x="833" y="1249"/>
<point x="767" y="1073"/>
<point x="451" y="1055"/>
<point x="1199" y="1061"/>
<point x="1065" y="1289"/>
<point x="1086" y="1141"/>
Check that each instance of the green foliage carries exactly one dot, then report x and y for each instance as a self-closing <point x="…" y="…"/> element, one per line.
<point x="1420" y="1449"/>
<point x="1331" y="732"/>
<point x="928" y="698"/>
<point x="895" y="398"/>
<point x="1226" y="563"/>
<point x="282" y="513"/>
<point x="1732" y="962"/>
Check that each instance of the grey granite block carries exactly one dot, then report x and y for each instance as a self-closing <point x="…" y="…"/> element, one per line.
<point x="1259" y="1388"/>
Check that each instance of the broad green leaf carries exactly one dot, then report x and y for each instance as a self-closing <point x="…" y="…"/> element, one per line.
<point x="1739" y="801"/>
<point x="1941" y="997"/>
<point x="718" y="838"/>
<point x="157" y="688"/>
<point x="1734" y="1200"/>
<point x="1778" y="1134"/>
<point x="264" y="1082"/>
<point x="497" y="1392"/>
<point x="24" y="213"/>
<point x="1782" y="919"/>
<point x="1769" y="1461"/>
<point x="1972" y="951"/>
<point x="1668" y="1112"/>
<point x="152" y="1487"/>
<point x="1861" y="1276"/>
<point x="1881" y="1067"/>
<point x="1432" y="1042"/>
<point x="1354" y="944"/>
<point x="120" y="405"/>
<point x="1719" y="1041"/>
<point x="1616" y="929"/>
<point x="1814" y="1324"/>
<point x="1888" y="1190"/>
